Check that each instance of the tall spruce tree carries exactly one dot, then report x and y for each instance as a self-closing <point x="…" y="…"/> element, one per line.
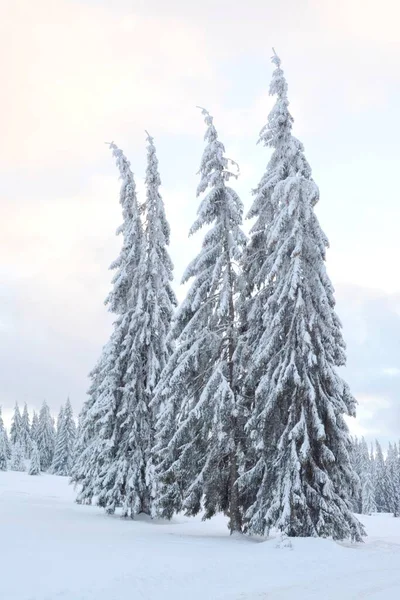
<point x="65" y="441"/>
<point x="25" y="435"/>
<point x="117" y="422"/>
<point x="302" y="476"/>
<point x="287" y="160"/>
<point x="15" y="431"/>
<point x="103" y="420"/>
<point x="46" y="437"/>
<point x="199" y="425"/>
<point x="149" y="349"/>
<point x="3" y="445"/>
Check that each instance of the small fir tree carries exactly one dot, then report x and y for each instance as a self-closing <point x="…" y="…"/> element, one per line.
<point x="59" y="420"/>
<point x="17" y="458"/>
<point x="382" y="485"/>
<point x="65" y="441"/>
<point x="34" y="468"/>
<point x="25" y="435"/>
<point x="34" y="427"/>
<point x="368" y="505"/>
<point x="16" y="424"/>
<point x="357" y="463"/>
<point x="392" y="468"/>
<point x="46" y="437"/>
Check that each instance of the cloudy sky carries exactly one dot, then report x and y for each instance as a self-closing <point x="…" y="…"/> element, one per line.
<point x="79" y="73"/>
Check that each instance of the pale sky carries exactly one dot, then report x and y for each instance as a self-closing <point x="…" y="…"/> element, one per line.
<point x="79" y="73"/>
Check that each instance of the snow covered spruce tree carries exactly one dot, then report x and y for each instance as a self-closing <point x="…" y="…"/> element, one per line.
<point x="34" y="468"/>
<point x="357" y="460"/>
<point x="25" y="434"/>
<point x="393" y="474"/>
<point x="198" y="428"/>
<point x="65" y="441"/>
<point x="46" y="437"/>
<point x="301" y="480"/>
<point x="17" y="457"/>
<point x="368" y="504"/>
<point x="103" y="424"/>
<point x="15" y="431"/>
<point x="58" y="433"/>
<point x="59" y="420"/>
<point x="155" y="305"/>
<point x="117" y="423"/>
<point x="3" y="445"/>
<point x="382" y="484"/>
<point x="34" y="427"/>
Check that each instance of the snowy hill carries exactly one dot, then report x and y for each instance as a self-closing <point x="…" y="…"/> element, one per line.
<point x="54" y="549"/>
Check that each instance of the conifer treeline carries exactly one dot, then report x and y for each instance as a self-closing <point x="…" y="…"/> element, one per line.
<point x="48" y="447"/>
<point x="232" y="403"/>
<point x="379" y="477"/>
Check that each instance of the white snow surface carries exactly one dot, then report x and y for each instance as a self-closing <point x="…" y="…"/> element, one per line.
<point x="53" y="549"/>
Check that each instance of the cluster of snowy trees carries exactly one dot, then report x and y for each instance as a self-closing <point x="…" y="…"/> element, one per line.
<point x="379" y="476"/>
<point x="39" y="442"/>
<point x="233" y="401"/>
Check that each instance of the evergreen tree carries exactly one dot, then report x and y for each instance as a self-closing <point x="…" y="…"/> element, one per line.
<point x="368" y="504"/>
<point x="103" y="420"/>
<point x="85" y="463"/>
<point x="34" y="427"/>
<point x="57" y="446"/>
<point x="116" y="425"/>
<point x="34" y="468"/>
<point x="372" y="461"/>
<point x="45" y="437"/>
<point x="287" y="160"/>
<point x="148" y="350"/>
<point x="382" y="491"/>
<point x="3" y="445"/>
<point x="65" y="441"/>
<point x="302" y="479"/>
<point x="59" y="420"/>
<point x="198" y="441"/>
<point x="16" y="425"/>
<point x="356" y="463"/>
<point x="393" y="474"/>
<point x="25" y="436"/>
<point x="17" y="457"/>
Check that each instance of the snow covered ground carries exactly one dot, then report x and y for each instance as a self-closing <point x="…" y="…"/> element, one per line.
<point x="53" y="549"/>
